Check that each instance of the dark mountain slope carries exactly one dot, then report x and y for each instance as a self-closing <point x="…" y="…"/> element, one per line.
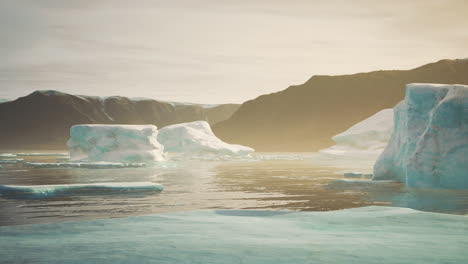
<point x="43" y="118"/>
<point x="305" y="117"/>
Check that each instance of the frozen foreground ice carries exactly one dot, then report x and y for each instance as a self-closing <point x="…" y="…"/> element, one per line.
<point x="115" y="143"/>
<point x="429" y="145"/>
<point x="369" y="136"/>
<point x="361" y="235"/>
<point x="60" y="190"/>
<point x="197" y="138"/>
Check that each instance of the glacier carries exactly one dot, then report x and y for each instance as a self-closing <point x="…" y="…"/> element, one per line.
<point x="61" y="190"/>
<point x="115" y="143"/>
<point x="197" y="138"/>
<point x="369" y="136"/>
<point x="429" y="145"/>
<point x="360" y="235"/>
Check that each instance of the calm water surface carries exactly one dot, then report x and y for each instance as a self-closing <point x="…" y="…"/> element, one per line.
<point x="267" y="181"/>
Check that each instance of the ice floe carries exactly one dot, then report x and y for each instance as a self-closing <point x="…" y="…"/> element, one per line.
<point x="58" y="190"/>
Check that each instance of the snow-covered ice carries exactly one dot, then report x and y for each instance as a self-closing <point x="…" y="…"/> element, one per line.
<point x="115" y="143"/>
<point x="360" y="235"/>
<point x="197" y="138"/>
<point x="369" y="136"/>
<point x="48" y="191"/>
<point x="429" y="145"/>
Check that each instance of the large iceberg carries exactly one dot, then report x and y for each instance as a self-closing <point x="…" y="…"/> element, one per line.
<point x="429" y="145"/>
<point x="197" y="138"/>
<point x="115" y="143"/>
<point x="368" y="136"/>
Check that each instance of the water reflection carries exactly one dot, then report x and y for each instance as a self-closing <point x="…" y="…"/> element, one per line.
<point x="272" y="183"/>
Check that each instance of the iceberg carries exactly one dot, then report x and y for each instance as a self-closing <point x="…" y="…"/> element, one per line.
<point x="60" y="190"/>
<point x="368" y="136"/>
<point x="360" y="235"/>
<point x="115" y="143"/>
<point x="197" y="138"/>
<point x="429" y="144"/>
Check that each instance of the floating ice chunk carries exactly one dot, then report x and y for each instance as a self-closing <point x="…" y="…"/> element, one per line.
<point x="7" y="155"/>
<point x="429" y="145"/>
<point x="368" y="136"/>
<point x="10" y="161"/>
<point x="366" y="181"/>
<point x="115" y="143"/>
<point x="86" y="165"/>
<point x="360" y="235"/>
<point x="353" y="174"/>
<point x="197" y="138"/>
<point x="40" y="154"/>
<point x="48" y="191"/>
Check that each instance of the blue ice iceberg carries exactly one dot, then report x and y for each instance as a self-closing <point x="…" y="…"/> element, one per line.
<point x="429" y="145"/>
<point x="361" y="235"/>
<point x="60" y="190"/>
<point x="115" y="143"/>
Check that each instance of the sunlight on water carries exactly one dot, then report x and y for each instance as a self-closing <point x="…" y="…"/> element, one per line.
<point x="266" y="181"/>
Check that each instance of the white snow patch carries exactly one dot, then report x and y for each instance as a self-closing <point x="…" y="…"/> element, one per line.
<point x="366" y="138"/>
<point x="197" y="138"/>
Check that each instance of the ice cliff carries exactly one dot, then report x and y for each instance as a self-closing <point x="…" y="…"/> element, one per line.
<point x="197" y="138"/>
<point x="115" y="143"/>
<point x="429" y="144"/>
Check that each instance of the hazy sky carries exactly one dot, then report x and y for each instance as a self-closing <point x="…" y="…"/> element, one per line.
<point x="215" y="51"/>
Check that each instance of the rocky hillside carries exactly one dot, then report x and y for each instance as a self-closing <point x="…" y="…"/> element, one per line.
<point x="305" y="117"/>
<point x="42" y="119"/>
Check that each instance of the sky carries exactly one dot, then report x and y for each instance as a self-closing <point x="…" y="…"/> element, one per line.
<point x="216" y="51"/>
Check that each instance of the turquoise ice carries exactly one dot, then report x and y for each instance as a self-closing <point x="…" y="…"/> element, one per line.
<point x="361" y="235"/>
<point x="115" y="143"/>
<point x="429" y="145"/>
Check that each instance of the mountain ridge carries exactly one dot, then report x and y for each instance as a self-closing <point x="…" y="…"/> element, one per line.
<point x="304" y="117"/>
<point x="43" y="118"/>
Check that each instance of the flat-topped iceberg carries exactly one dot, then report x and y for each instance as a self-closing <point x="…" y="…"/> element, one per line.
<point x="197" y="138"/>
<point x="368" y="136"/>
<point x="115" y="143"/>
<point x="59" y="190"/>
<point x="429" y="145"/>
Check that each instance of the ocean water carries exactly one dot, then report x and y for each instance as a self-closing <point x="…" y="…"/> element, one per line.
<point x="265" y="181"/>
